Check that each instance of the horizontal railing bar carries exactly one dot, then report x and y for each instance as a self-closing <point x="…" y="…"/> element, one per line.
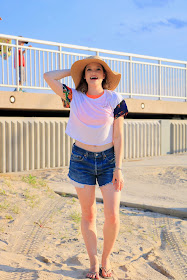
<point x="155" y="95"/>
<point x="7" y="44"/>
<point x="39" y="49"/>
<point x="31" y="87"/>
<point x="28" y="48"/>
<point x="89" y="49"/>
<point x="6" y="85"/>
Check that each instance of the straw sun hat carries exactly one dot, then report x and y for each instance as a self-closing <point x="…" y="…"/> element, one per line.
<point x="77" y="69"/>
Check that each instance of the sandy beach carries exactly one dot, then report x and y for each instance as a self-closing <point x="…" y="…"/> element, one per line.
<point x="40" y="234"/>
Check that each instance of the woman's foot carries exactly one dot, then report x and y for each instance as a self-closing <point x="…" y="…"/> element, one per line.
<point x="94" y="269"/>
<point x="92" y="275"/>
<point x="105" y="271"/>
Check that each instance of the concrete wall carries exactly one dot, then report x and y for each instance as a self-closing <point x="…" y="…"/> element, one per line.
<point x="49" y="102"/>
<point x="39" y="143"/>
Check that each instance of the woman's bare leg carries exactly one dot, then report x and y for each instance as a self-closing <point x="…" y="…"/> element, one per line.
<point x="88" y="225"/>
<point x="111" y="199"/>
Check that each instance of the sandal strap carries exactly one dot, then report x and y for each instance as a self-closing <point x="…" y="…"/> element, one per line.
<point x="106" y="271"/>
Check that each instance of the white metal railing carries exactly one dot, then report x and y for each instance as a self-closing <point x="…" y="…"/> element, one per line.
<point x="142" y="76"/>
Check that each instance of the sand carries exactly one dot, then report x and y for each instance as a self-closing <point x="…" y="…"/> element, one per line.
<point x="40" y="234"/>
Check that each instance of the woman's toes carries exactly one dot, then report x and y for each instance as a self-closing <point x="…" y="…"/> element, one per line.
<point x="92" y="275"/>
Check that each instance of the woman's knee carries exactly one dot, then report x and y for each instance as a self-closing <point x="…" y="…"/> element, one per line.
<point x="89" y="215"/>
<point x="112" y="218"/>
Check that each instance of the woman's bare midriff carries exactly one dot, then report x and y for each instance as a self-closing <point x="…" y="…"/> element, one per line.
<point x="94" y="148"/>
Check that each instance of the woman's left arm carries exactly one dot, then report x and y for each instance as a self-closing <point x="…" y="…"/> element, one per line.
<point x="118" y="149"/>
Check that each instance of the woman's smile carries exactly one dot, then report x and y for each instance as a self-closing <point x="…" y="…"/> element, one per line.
<point x="94" y="78"/>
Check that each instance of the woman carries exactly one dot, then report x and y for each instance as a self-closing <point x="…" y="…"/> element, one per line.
<point x="96" y="124"/>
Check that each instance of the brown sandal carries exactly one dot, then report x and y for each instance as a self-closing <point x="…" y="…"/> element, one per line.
<point x="106" y="272"/>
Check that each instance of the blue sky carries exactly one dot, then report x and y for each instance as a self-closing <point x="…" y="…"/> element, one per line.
<point x="148" y="27"/>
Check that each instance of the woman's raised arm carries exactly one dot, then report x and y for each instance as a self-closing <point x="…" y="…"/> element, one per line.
<point x="52" y="79"/>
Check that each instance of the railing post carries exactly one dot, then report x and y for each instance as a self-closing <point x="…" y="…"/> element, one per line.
<point x="97" y="53"/>
<point x="160" y="79"/>
<point x="130" y="76"/>
<point x="17" y="64"/>
<point x="60" y="58"/>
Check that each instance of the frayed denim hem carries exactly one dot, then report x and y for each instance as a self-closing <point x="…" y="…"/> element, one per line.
<point x="76" y="184"/>
<point x="79" y="185"/>
<point x="106" y="184"/>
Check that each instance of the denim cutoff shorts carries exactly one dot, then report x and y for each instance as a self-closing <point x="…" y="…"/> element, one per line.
<point x="91" y="168"/>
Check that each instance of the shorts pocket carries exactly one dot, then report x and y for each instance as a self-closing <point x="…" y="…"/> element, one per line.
<point x="110" y="157"/>
<point x="75" y="156"/>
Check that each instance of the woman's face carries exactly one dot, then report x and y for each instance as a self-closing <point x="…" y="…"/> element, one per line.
<point x="94" y="74"/>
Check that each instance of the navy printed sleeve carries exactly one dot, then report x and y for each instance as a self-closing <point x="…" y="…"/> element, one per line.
<point x="121" y="110"/>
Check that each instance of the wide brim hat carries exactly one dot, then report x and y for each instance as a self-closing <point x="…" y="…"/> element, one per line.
<point x="113" y="78"/>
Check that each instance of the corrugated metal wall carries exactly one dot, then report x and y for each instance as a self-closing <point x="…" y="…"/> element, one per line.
<point x="141" y="138"/>
<point x="39" y="143"/>
<point x="178" y="136"/>
<point x="33" y="143"/>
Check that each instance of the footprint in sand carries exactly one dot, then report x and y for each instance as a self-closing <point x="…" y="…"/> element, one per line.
<point x="73" y="260"/>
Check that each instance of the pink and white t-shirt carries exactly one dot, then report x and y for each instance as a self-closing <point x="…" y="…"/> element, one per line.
<point x="91" y="119"/>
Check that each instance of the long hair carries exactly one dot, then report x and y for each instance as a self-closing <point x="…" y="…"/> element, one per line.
<point x="83" y="86"/>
